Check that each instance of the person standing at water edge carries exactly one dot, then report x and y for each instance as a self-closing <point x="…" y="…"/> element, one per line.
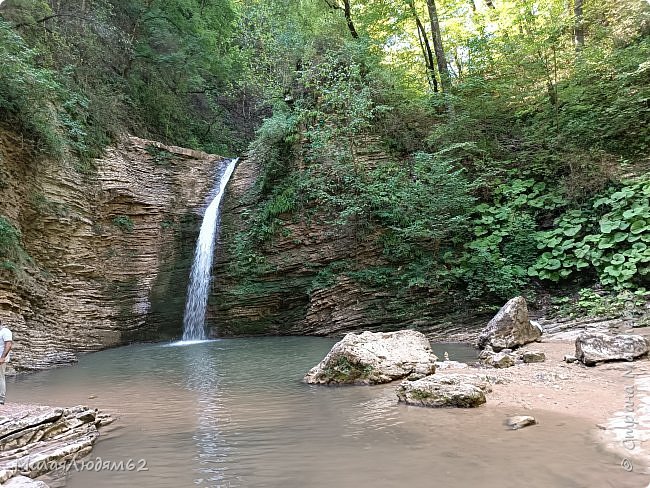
<point x="7" y="343"/>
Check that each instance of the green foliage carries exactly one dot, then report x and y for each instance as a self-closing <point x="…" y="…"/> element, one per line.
<point x="590" y="302"/>
<point x="44" y="205"/>
<point x="28" y="93"/>
<point x="274" y="148"/>
<point x="420" y="207"/>
<point x="616" y="245"/>
<point x="12" y="255"/>
<point x="160" y="156"/>
<point x="496" y="259"/>
<point x="343" y="370"/>
<point x="124" y="223"/>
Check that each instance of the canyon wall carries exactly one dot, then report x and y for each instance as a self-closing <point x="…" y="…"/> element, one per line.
<point x="306" y="278"/>
<point x="105" y="253"/>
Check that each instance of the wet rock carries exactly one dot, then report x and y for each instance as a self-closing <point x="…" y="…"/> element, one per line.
<point x="499" y="360"/>
<point x="520" y="421"/>
<point x="37" y="440"/>
<point x="375" y="357"/>
<point x="24" y="482"/>
<point x="533" y="357"/>
<point x="510" y="327"/>
<point x="595" y="347"/>
<point x="444" y="391"/>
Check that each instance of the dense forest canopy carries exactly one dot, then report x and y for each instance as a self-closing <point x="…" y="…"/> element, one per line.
<point x="516" y="131"/>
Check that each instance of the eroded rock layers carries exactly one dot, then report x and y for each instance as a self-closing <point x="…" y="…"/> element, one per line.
<point x="103" y="254"/>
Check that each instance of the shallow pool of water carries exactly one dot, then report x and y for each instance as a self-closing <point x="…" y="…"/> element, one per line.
<point x="234" y="413"/>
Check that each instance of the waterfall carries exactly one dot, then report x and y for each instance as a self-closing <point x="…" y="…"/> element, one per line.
<point x="199" y="286"/>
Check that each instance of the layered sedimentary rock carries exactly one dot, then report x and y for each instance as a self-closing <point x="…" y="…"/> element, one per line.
<point x="36" y="440"/>
<point x="106" y="251"/>
<point x="299" y="281"/>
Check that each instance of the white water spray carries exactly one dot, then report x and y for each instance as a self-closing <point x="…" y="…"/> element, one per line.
<point x="200" y="277"/>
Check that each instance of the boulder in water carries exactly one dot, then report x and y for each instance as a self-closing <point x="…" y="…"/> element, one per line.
<point x="510" y="327"/>
<point x="596" y="347"/>
<point x="371" y="358"/>
<point x="444" y="390"/>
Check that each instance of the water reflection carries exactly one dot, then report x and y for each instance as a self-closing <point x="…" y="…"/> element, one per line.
<point x="203" y="375"/>
<point x="234" y="413"/>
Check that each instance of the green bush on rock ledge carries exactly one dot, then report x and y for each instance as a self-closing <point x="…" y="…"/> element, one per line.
<point x="124" y="223"/>
<point x="12" y="254"/>
<point x="616" y="245"/>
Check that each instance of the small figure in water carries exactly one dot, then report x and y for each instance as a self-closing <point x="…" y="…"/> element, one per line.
<point x="7" y="343"/>
<point x="446" y="356"/>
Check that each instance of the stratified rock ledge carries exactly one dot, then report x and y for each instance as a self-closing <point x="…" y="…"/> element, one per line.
<point x="35" y="440"/>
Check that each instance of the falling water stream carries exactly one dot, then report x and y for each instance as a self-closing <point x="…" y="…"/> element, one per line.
<point x="200" y="276"/>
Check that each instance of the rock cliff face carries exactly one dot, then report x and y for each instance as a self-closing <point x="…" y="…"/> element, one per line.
<point x="105" y="254"/>
<point x="295" y="284"/>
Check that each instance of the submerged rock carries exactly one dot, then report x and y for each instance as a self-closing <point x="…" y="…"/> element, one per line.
<point x="448" y="390"/>
<point x="510" y="327"/>
<point x="520" y="421"/>
<point x="375" y="357"/>
<point x="596" y="347"/>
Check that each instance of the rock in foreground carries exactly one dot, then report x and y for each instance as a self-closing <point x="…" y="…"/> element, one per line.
<point x="596" y="347"/>
<point x="375" y="357"/>
<point x="520" y="421"/>
<point x="444" y="391"/>
<point x="533" y="357"/>
<point x="499" y="360"/>
<point x="37" y="440"/>
<point x="510" y="327"/>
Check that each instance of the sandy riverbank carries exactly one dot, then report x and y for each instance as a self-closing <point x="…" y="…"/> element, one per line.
<point x="614" y="396"/>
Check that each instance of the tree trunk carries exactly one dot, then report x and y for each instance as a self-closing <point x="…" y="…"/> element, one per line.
<point x="579" y="28"/>
<point x="426" y="48"/>
<point x="347" y="10"/>
<point x="445" y="79"/>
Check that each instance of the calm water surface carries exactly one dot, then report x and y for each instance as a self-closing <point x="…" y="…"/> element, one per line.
<point x="234" y="413"/>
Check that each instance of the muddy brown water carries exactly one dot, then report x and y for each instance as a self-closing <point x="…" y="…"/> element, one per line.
<point x="234" y="413"/>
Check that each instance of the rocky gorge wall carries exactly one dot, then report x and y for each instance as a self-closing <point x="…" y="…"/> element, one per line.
<point x="299" y="281"/>
<point x="105" y="254"/>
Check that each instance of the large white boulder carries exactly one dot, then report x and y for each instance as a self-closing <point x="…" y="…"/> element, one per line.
<point x="375" y="357"/>
<point x="596" y="347"/>
<point x="510" y="327"/>
<point x="444" y="390"/>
